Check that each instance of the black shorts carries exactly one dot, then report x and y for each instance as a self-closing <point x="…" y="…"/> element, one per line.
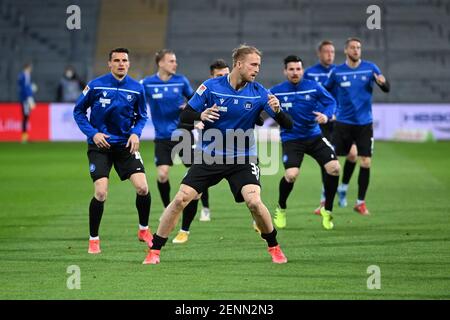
<point x="345" y="135"/>
<point x="102" y="160"/>
<point x="319" y="148"/>
<point x="202" y="176"/>
<point x="327" y="129"/>
<point x="163" y="152"/>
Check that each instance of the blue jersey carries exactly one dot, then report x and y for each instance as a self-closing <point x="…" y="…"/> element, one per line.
<point x="300" y="100"/>
<point x="237" y="109"/>
<point x="118" y="109"/>
<point x="354" y="92"/>
<point x="166" y="100"/>
<point x="24" y="86"/>
<point x="318" y="73"/>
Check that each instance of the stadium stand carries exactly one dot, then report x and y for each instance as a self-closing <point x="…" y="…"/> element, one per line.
<point x="412" y="48"/>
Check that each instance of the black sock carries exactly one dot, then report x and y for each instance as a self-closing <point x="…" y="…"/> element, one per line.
<point x="271" y="238"/>
<point x="331" y="184"/>
<point x="363" y="182"/>
<point x="284" y="191"/>
<point x="143" y="207"/>
<point x="95" y="216"/>
<point x="164" y="191"/>
<point x="158" y="242"/>
<point x="205" y="199"/>
<point x="189" y="214"/>
<point x="349" y="167"/>
<point x="24" y="124"/>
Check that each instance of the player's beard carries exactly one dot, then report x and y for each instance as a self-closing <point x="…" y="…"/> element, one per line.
<point x="354" y="59"/>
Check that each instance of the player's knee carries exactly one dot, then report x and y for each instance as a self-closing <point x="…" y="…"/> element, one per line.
<point x="333" y="168"/>
<point x="163" y="176"/>
<point x="254" y="204"/>
<point x="142" y="190"/>
<point x="366" y="162"/>
<point x="291" y="176"/>
<point x="352" y="157"/>
<point x="101" y="195"/>
<point x="180" y="201"/>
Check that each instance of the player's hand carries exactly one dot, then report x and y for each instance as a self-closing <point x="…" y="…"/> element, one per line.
<point x="210" y="114"/>
<point x="274" y="103"/>
<point x="379" y="78"/>
<point x="320" y="117"/>
<point x="199" y="125"/>
<point x="100" y="140"/>
<point x="133" y="143"/>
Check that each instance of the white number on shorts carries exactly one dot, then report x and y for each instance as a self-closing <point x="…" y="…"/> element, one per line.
<point x="255" y="170"/>
<point x="138" y="156"/>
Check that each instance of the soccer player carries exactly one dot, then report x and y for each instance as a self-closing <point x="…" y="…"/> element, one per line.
<point x="26" y="98"/>
<point x="166" y="93"/>
<point x="309" y="105"/>
<point x="228" y="106"/>
<point x="118" y="115"/>
<point x="353" y="82"/>
<point x="320" y="73"/>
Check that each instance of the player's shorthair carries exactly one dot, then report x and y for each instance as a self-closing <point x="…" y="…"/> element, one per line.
<point x="292" y="58"/>
<point x="324" y="43"/>
<point x="352" y="39"/>
<point x="120" y="50"/>
<point x="160" y="55"/>
<point x="218" y="64"/>
<point x="242" y="51"/>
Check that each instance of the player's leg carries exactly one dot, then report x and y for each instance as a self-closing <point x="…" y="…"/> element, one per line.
<point x="169" y="220"/>
<point x="342" y="142"/>
<point x="322" y="151"/>
<point x="25" y="118"/>
<point x="327" y="132"/>
<point x="205" y="214"/>
<point x="188" y="216"/>
<point x="100" y="163"/>
<point x="364" y="143"/>
<point x="163" y="162"/>
<point x="143" y="204"/>
<point x="293" y="152"/>
<point x="252" y="197"/>
<point x="349" y="168"/>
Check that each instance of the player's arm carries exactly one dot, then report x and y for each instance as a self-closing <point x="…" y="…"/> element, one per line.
<point x="382" y="82"/>
<point x="274" y="110"/>
<point x="330" y="83"/>
<point x="80" y="113"/>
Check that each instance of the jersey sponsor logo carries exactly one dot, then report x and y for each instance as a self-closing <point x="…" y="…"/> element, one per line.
<point x="201" y="89"/>
<point x="346" y="84"/>
<point x="86" y="90"/>
<point x="222" y="108"/>
<point x="157" y="96"/>
<point x="104" y="102"/>
<point x="286" y="105"/>
<point x="248" y="105"/>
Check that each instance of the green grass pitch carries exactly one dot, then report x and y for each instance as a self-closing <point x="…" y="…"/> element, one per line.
<point x="45" y="190"/>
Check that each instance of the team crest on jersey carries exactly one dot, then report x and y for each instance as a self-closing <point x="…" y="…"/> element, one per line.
<point x="165" y="89"/>
<point x="176" y="90"/>
<point x="363" y="78"/>
<point x="201" y="89"/>
<point x="248" y="105"/>
<point x="129" y="98"/>
<point x="86" y="90"/>
<point x="308" y="97"/>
